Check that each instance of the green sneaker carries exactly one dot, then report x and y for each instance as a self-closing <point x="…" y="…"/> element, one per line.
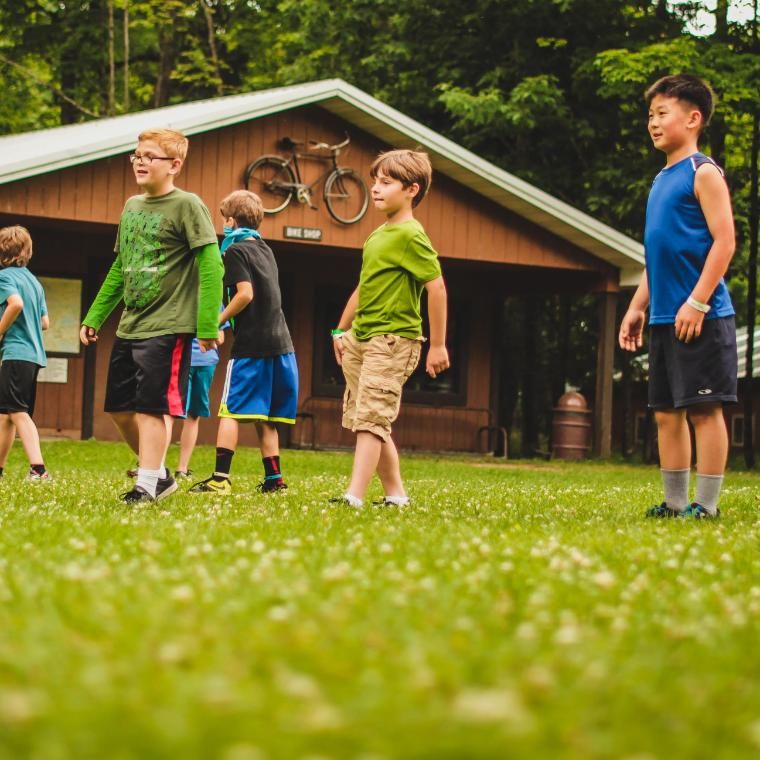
<point x="697" y="512"/>
<point x="662" y="510"/>
<point x="220" y="486"/>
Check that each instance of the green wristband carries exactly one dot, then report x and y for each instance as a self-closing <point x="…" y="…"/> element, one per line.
<point x="337" y="332"/>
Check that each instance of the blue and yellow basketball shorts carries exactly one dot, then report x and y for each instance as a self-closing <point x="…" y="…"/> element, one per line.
<point x="263" y="389"/>
<point x="198" y="389"/>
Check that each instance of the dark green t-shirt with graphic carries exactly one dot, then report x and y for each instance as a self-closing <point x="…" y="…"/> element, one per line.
<point x="154" y="249"/>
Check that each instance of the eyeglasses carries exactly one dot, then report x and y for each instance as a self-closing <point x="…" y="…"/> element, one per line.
<point x="145" y="158"/>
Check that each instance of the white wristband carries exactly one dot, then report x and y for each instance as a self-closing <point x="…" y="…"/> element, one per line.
<point x="698" y="305"/>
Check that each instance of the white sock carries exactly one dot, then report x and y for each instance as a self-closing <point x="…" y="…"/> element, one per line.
<point x="708" y="491"/>
<point x="148" y="479"/>
<point x="353" y="501"/>
<point x="397" y="501"/>
<point x="675" y="484"/>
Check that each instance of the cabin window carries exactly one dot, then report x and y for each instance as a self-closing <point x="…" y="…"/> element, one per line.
<point x="449" y="388"/>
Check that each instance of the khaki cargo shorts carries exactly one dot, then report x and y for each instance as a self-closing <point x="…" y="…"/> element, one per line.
<point x="375" y="371"/>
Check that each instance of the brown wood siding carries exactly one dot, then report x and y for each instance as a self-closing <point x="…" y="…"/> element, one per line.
<point x="73" y="216"/>
<point x="463" y="224"/>
<point x="418" y="427"/>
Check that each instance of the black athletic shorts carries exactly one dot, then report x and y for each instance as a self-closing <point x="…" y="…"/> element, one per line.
<point x="149" y="375"/>
<point x="18" y="386"/>
<point x="703" y="371"/>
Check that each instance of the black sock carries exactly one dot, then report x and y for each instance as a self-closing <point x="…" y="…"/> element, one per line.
<point x="272" y="471"/>
<point x="38" y="468"/>
<point x="223" y="461"/>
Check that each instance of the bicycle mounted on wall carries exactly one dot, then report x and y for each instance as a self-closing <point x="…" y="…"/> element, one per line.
<point x="277" y="180"/>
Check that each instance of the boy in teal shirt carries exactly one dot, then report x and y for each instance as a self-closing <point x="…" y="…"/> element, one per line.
<point x="379" y="337"/>
<point x="23" y="316"/>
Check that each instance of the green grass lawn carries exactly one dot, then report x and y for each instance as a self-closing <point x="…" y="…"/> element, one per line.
<point x="524" y="611"/>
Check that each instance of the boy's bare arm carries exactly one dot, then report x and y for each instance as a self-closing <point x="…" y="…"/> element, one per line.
<point x="438" y="357"/>
<point x="349" y="311"/>
<point x="712" y="193"/>
<point x="45" y="322"/>
<point x="631" y="334"/>
<point x="344" y="323"/>
<point x="243" y="296"/>
<point x="14" y="307"/>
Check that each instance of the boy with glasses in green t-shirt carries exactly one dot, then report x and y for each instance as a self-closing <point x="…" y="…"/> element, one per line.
<point x="379" y="336"/>
<point x="168" y="272"/>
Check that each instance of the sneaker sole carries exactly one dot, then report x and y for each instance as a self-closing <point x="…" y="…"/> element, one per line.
<point x="210" y="491"/>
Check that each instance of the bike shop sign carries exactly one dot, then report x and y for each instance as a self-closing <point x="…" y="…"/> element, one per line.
<point x="302" y="233"/>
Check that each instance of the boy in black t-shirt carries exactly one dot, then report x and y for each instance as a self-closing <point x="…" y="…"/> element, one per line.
<point x="261" y="384"/>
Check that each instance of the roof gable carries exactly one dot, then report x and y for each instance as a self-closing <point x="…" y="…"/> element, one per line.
<point x="32" y="153"/>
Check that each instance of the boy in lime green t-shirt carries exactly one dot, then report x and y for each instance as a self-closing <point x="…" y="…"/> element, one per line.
<point x="379" y="337"/>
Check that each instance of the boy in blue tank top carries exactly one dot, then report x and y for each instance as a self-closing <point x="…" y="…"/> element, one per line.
<point x="688" y="242"/>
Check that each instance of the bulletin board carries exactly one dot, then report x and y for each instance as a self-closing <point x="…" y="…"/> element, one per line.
<point x="64" y="303"/>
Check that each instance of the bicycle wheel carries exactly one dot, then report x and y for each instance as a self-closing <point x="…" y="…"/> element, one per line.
<point x="346" y="196"/>
<point x="272" y="179"/>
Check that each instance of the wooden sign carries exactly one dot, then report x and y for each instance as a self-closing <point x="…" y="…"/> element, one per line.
<point x="302" y="233"/>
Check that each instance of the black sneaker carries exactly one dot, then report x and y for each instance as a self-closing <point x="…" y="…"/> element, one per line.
<point x="697" y="512"/>
<point x="344" y="502"/>
<point x="271" y="486"/>
<point x="165" y="487"/>
<point x="136" y="496"/>
<point x="662" y="510"/>
<point x="182" y="475"/>
<point x="385" y="502"/>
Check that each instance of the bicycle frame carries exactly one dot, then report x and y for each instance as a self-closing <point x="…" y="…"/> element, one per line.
<point x="301" y="188"/>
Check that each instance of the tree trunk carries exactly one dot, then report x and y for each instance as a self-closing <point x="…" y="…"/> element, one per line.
<point x="168" y="42"/>
<point x="754" y="222"/>
<point x="126" y="56"/>
<point x="721" y="20"/>
<point x="718" y="125"/>
<point x="111" y="104"/>
<point x="208" y="13"/>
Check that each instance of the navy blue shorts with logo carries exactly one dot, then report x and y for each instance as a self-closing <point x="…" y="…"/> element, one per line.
<point x="703" y="371"/>
<point x="18" y="386"/>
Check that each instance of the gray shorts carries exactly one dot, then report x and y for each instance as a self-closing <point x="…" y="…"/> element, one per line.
<point x="685" y="374"/>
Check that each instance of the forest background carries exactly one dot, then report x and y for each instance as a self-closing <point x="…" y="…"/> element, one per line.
<point x="549" y="90"/>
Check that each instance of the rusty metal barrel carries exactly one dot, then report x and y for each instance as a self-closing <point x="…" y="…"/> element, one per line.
<point x="571" y="427"/>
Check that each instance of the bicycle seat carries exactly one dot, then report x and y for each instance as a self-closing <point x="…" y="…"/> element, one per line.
<point x="288" y="143"/>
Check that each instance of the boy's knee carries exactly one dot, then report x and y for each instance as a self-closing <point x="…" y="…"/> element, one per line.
<point x="705" y="413"/>
<point x="669" y="417"/>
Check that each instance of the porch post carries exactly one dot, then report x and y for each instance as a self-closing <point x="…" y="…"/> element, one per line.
<point x="604" y="369"/>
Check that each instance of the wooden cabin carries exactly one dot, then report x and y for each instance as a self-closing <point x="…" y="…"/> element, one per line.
<point x="497" y="236"/>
